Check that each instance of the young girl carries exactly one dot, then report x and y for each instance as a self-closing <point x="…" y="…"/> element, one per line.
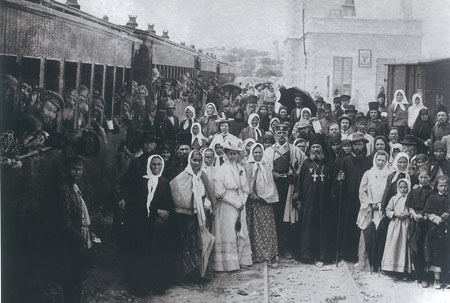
<point x="418" y="225"/>
<point x="437" y="208"/>
<point x="396" y="256"/>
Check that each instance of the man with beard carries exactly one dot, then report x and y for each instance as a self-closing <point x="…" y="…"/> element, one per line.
<point x="345" y="122"/>
<point x="327" y="118"/>
<point x="313" y="195"/>
<point x="285" y="161"/>
<point x="98" y="122"/>
<point x="361" y="125"/>
<point x="295" y="113"/>
<point x="181" y="155"/>
<point x="164" y="128"/>
<point x="353" y="168"/>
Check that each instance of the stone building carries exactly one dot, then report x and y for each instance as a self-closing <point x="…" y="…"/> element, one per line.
<point x="339" y="47"/>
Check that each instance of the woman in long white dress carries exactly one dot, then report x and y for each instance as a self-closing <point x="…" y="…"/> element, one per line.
<point x="371" y="194"/>
<point x="232" y="247"/>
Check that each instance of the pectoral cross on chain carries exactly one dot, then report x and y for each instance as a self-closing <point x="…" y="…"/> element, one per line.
<point x="321" y="176"/>
<point x="315" y="175"/>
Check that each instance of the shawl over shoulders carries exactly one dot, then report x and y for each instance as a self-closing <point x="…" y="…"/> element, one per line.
<point x="181" y="187"/>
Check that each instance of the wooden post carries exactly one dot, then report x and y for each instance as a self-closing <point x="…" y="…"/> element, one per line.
<point x="61" y="92"/>
<point x="113" y="92"/>
<point x="42" y="73"/>
<point x="91" y="92"/>
<point x="104" y="81"/>
<point x="77" y="87"/>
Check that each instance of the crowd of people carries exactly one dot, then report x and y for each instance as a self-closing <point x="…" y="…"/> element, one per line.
<point x="242" y="184"/>
<point x="235" y="182"/>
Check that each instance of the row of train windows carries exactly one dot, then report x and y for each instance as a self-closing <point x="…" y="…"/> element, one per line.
<point x="50" y="74"/>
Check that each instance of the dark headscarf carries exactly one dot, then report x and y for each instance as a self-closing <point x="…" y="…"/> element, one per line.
<point x="422" y="129"/>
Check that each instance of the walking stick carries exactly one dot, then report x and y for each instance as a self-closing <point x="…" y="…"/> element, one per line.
<point x="339" y="222"/>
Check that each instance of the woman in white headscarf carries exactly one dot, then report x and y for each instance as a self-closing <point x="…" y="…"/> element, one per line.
<point x="147" y="213"/>
<point x="260" y="216"/>
<point x="208" y="121"/>
<point x="370" y="197"/>
<point x="198" y="141"/>
<point x="248" y="143"/>
<point x="414" y="109"/>
<point x="194" y="201"/>
<point x="186" y="124"/>
<point x="398" y="112"/>
<point x="232" y="247"/>
<point x="252" y="130"/>
<point x="400" y="168"/>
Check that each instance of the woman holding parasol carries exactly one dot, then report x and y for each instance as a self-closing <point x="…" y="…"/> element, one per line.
<point x="194" y="214"/>
<point x="232" y="247"/>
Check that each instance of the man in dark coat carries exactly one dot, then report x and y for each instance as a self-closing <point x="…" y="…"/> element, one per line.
<point x="76" y="238"/>
<point x="171" y="116"/>
<point x="313" y="193"/>
<point x="165" y="130"/>
<point x="338" y="111"/>
<point x="353" y="168"/>
<point x="295" y="113"/>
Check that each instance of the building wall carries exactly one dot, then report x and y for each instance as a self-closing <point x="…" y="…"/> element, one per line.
<point x="391" y="29"/>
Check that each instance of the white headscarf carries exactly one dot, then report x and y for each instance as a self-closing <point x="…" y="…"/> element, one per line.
<point x="215" y="110"/>
<point x="199" y="136"/>
<point x="191" y="108"/>
<point x="395" y="146"/>
<point x="395" y="166"/>
<point x="270" y="124"/>
<point x="257" y="164"/>
<point x="413" y="110"/>
<point x="256" y="129"/>
<point x="216" y="162"/>
<point x="305" y="109"/>
<point x="408" y="182"/>
<point x="152" y="180"/>
<point x="401" y="103"/>
<point x="382" y="173"/>
<point x="198" y="189"/>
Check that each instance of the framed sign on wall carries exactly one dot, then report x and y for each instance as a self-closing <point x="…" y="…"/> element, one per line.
<point x="365" y="58"/>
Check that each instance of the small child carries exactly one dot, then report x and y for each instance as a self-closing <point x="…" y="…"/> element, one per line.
<point x="395" y="256"/>
<point x="417" y="229"/>
<point x="437" y="208"/>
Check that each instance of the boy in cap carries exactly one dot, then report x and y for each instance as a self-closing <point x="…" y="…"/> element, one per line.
<point x="327" y="118"/>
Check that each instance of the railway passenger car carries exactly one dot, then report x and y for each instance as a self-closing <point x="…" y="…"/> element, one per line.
<point x="55" y="46"/>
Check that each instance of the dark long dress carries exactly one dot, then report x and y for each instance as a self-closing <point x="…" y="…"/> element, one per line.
<point x="315" y="197"/>
<point x="437" y="253"/>
<point x="281" y="166"/>
<point x="417" y="230"/>
<point x="149" y="245"/>
<point x="354" y="169"/>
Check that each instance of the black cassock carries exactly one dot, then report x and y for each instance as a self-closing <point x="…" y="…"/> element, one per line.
<point x="354" y="168"/>
<point x="314" y="189"/>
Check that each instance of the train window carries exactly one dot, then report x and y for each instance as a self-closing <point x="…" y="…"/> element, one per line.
<point x="51" y="79"/>
<point x="109" y="91"/>
<point x="85" y="77"/>
<point x="30" y="71"/>
<point x="98" y="79"/>
<point x="119" y="77"/>
<point x="70" y="75"/>
<point x="128" y="78"/>
<point x="9" y="65"/>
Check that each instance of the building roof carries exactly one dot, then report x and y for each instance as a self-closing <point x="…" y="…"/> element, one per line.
<point x="421" y="62"/>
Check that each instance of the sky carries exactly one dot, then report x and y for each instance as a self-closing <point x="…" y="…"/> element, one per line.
<point x="251" y="24"/>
